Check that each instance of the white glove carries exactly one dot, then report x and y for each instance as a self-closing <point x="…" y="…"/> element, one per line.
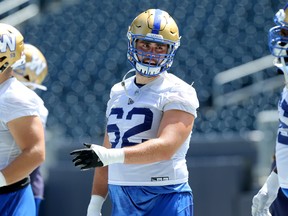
<point x="2" y="180"/>
<point x="265" y="196"/>
<point x="95" y="205"/>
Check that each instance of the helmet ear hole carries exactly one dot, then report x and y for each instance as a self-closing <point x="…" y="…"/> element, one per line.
<point x="27" y="77"/>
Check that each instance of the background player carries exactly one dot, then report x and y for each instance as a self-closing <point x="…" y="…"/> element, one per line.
<point x="150" y="117"/>
<point x="264" y="199"/>
<point x="22" y="141"/>
<point x="32" y="74"/>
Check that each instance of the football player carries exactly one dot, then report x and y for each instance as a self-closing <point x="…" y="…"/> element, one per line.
<point x="22" y="141"/>
<point x="272" y="197"/>
<point x="150" y="118"/>
<point x="32" y="74"/>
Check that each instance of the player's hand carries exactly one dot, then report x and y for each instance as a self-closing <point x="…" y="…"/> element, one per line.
<point x="96" y="156"/>
<point x="265" y="196"/>
<point x="86" y="158"/>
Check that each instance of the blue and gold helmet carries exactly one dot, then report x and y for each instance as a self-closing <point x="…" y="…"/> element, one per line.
<point x="11" y="47"/>
<point x="278" y="40"/>
<point x="156" y="26"/>
<point x="278" y="35"/>
<point x="35" y="69"/>
<point x="281" y="17"/>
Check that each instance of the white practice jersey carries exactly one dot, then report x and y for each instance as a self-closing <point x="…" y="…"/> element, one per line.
<point x="134" y="117"/>
<point x="16" y="100"/>
<point x="282" y="140"/>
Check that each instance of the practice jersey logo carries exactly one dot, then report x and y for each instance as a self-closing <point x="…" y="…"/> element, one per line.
<point x="130" y="101"/>
<point x="7" y="42"/>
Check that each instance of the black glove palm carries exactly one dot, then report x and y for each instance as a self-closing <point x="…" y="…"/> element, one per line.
<point x="86" y="158"/>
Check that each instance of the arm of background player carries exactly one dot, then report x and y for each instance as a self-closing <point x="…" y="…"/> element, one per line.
<point x="28" y="133"/>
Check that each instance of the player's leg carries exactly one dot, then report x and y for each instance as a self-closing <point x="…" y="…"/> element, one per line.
<point x="124" y="201"/>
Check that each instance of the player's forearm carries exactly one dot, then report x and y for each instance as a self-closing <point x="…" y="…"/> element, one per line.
<point x="151" y="151"/>
<point x="100" y="182"/>
<point x="23" y="165"/>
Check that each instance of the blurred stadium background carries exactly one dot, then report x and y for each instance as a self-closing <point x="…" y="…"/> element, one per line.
<point x="223" y="51"/>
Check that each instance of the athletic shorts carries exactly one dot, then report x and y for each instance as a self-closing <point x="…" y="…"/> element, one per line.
<point x="18" y="203"/>
<point x="172" y="200"/>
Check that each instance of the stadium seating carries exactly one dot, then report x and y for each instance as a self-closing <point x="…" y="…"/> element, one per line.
<point x="86" y="55"/>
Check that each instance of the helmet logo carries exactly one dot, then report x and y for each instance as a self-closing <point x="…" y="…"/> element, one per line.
<point x="281" y="15"/>
<point x="36" y="65"/>
<point x="7" y="41"/>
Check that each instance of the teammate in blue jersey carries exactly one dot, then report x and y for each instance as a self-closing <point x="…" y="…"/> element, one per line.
<point x="22" y="141"/>
<point x="32" y="74"/>
<point x="150" y="118"/>
<point x="272" y="198"/>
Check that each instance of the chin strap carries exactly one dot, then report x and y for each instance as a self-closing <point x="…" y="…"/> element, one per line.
<point x="34" y="86"/>
<point x="124" y="86"/>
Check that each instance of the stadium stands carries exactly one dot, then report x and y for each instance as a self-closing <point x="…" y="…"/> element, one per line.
<point x="85" y="47"/>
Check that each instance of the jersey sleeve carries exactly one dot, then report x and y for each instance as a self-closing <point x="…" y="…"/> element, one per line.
<point x="114" y="92"/>
<point x="19" y="106"/>
<point x="182" y="97"/>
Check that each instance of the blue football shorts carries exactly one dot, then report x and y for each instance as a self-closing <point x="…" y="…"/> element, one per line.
<point x="172" y="200"/>
<point x="18" y="203"/>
